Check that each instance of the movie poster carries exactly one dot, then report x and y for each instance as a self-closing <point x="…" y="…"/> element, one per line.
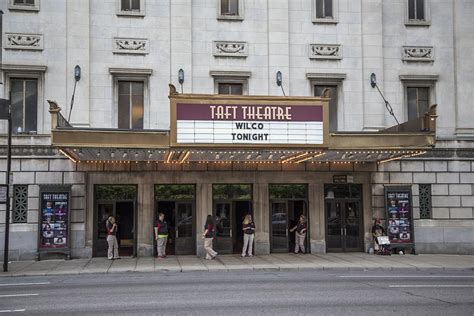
<point x="399" y="215"/>
<point x="54" y="219"/>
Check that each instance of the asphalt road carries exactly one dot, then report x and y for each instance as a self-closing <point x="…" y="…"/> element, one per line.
<point x="243" y="293"/>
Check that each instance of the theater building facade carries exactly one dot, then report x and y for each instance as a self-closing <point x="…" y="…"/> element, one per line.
<point x="226" y="136"/>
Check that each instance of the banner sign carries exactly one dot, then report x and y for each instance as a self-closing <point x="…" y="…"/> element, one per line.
<point x="399" y="215"/>
<point x="54" y="220"/>
<point x="249" y="124"/>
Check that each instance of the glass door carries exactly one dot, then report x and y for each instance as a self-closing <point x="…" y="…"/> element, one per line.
<point x="279" y="226"/>
<point x="352" y="226"/>
<point x="223" y="220"/>
<point x="184" y="220"/>
<point x="104" y="210"/>
<point x="334" y="230"/>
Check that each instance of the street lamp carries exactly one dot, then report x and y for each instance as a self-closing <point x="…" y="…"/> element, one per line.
<point x="279" y="81"/>
<point x="181" y="78"/>
<point x="373" y="84"/>
<point x="77" y="77"/>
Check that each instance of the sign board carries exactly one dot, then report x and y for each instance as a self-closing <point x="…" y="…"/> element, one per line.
<point x="399" y="216"/>
<point x="342" y="178"/>
<point x="3" y="193"/>
<point x="247" y="123"/>
<point x="54" y="223"/>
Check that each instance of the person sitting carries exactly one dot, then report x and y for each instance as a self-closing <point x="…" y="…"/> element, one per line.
<point x="377" y="231"/>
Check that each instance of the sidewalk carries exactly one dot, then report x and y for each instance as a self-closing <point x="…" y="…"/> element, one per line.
<point x="273" y="262"/>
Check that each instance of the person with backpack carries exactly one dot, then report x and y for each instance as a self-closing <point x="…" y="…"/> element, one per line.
<point x="208" y="235"/>
<point x="248" y="226"/>
<point x="300" y="234"/>
<point x="112" y="242"/>
<point x="161" y="235"/>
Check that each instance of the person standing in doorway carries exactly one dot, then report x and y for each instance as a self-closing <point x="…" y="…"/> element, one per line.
<point x="249" y="233"/>
<point x="111" y="227"/>
<point x="208" y="235"/>
<point x="161" y="235"/>
<point x="300" y="234"/>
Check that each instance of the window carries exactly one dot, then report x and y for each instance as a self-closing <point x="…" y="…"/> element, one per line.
<point x="418" y="101"/>
<point x="130" y="104"/>
<point x="20" y="204"/>
<point x="324" y="11"/>
<point x="332" y="81"/>
<point x="131" y="7"/>
<point x="26" y="5"/>
<point x="419" y="94"/>
<point x="24" y="2"/>
<point x="425" y="200"/>
<point x="24" y="96"/>
<point x="231" y="82"/>
<point x="230" y="9"/>
<point x="318" y="90"/>
<point x="231" y="88"/>
<point x="417" y="12"/>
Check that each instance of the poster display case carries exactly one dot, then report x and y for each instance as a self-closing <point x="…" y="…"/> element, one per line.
<point x="398" y="204"/>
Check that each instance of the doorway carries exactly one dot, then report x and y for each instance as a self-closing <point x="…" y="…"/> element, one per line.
<point x="232" y="202"/>
<point x="343" y="213"/>
<point x="287" y="203"/>
<point x="118" y="201"/>
<point x="177" y="202"/>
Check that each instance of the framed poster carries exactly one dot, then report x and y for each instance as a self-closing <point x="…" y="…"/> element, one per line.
<point x="398" y="204"/>
<point x="54" y="220"/>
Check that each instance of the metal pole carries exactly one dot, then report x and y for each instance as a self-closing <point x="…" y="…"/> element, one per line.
<point x="7" y="211"/>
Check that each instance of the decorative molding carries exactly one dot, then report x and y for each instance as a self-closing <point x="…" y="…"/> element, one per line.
<point x="23" y="68"/>
<point x="230" y="49"/>
<point x="140" y="46"/>
<point x="325" y="51"/>
<point x="419" y="77"/>
<point x="230" y="74"/>
<point x="326" y="76"/>
<point x="131" y="71"/>
<point x="418" y="53"/>
<point x="24" y="41"/>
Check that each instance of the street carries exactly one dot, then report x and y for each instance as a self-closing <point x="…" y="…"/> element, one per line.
<point x="243" y="293"/>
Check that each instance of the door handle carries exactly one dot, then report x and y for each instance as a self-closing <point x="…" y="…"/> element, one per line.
<point x="345" y="231"/>
<point x="342" y="231"/>
<point x="230" y="232"/>
<point x="177" y="233"/>
<point x="286" y="231"/>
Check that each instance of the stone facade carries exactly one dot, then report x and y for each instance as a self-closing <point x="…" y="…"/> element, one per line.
<point x="268" y="36"/>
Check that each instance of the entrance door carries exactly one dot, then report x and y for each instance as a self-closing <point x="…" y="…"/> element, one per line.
<point x="284" y="216"/>
<point x="223" y="217"/>
<point x="184" y="220"/>
<point x="343" y="225"/>
<point x="279" y="227"/>
<point x="124" y="214"/>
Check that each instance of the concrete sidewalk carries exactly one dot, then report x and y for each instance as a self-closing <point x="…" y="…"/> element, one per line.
<point x="273" y="262"/>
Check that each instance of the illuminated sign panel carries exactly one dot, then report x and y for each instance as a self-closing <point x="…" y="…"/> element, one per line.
<point x="249" y="124"/>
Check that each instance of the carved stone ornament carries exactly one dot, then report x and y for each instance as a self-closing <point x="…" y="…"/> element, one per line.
<point x="230" y="49"/>
<point x="417" y="53"/>
<point x="23" y="41"/>
<point x="325" y="51"/>
<point x="131" y="46"/>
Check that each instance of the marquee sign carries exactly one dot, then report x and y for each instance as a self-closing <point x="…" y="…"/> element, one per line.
<point x="247" y="123"/>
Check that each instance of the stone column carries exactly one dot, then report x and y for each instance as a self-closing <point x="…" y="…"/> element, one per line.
<point x="316" y="217"/>
<point x="145" y="208"/>
<point x="261" y="214"/>
<point x="203" y="208"/>
<point x="278" y="45"/>
<point x="372" y="61"/>
<point x="78" y="48"/>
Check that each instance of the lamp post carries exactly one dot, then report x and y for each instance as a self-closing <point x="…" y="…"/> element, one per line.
<point x="181" y="78"/>
<point x="279" y="81"/>
<point x="77" y="77"/>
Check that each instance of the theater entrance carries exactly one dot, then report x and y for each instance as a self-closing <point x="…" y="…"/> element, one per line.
<point x="231" y="203"/>
<point x="118" y="201"/>
<point x="287" y="203"/>
<point x="344" y="225"/>
<point x="177" y="202"/>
